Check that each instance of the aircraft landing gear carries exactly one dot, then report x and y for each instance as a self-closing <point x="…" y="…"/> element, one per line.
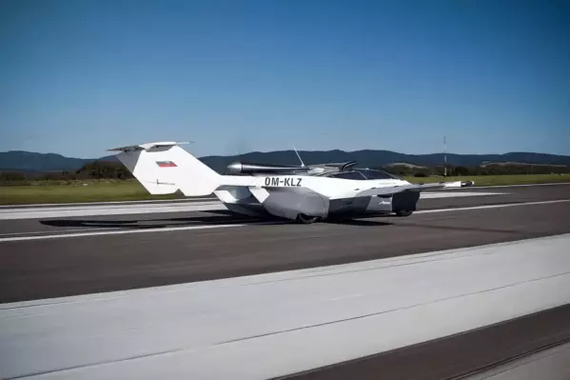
<point x="403" y="213"/>
<point x="306" y="219"/>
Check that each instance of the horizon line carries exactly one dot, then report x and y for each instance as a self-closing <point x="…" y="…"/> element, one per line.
<point x="310" y="151"/>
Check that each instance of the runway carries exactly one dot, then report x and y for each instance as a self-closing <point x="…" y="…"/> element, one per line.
<point x="72" y="255"/>
<point x="159" y="255"/>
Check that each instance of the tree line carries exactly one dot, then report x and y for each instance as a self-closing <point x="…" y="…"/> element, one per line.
<point x="94" y="170"/>
<point x="490" y="169"/>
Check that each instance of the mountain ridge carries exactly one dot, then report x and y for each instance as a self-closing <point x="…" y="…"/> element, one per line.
<point x="19" y="160"/>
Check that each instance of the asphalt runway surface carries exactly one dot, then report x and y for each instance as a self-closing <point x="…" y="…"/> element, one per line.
<point x="230" y="246"/>
<point x="32" y="269"/>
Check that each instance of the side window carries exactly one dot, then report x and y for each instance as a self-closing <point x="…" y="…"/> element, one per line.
<point x="349" y="175"/>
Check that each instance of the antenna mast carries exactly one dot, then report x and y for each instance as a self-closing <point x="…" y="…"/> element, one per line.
<point x="445" y="156"/>
<point x="297" y="153"/>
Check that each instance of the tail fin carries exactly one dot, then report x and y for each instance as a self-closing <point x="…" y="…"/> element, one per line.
<point x="164" y="168"/>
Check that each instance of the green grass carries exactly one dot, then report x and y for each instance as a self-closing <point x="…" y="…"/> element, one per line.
<point x="77" y="191"/>
<point x="119" y="190"/>
<point x="496" y="180"/>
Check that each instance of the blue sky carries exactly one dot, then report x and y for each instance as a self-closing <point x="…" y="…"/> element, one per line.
<point x="77" y="77"/>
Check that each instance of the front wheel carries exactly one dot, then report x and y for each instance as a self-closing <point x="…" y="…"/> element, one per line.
<point x="306" y="219"/>
<point x="404" y="212"/>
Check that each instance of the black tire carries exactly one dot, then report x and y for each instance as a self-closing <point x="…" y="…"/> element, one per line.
<point x="404" y="213"/>
<point x="306" y="219"/>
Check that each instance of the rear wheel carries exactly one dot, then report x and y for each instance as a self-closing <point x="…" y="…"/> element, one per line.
<point x="306" y="219"/>
<point x="404" y="212"/>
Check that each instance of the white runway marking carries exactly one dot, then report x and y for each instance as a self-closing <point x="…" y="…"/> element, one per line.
<point x="87" y="204"/>
<point x="63" y="230"/>
<point x="119" y="232"/>
<point x="269" y="325"/>
<point x="185" y="228"/>
<point x="455" y="194"/>
<point x="485" y="207"/>
<point x="127" y="209"/>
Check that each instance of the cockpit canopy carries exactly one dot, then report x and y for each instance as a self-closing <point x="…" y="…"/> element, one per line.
<point x="362" y="174"/>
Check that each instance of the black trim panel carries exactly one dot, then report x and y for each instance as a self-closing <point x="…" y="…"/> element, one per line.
<point x="406" y="200"/>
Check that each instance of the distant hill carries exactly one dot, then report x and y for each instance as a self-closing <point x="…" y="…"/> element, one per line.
<point x="29" y="161"/>
<point x="18" y="160"/>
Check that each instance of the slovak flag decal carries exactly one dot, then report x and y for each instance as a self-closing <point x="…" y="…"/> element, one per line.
<point x="166" y="164"/>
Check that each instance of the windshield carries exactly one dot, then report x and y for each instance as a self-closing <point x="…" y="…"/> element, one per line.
<point x="364" y="174"/>
<point x="349" y="175"/>
<point x="375" y="174"/>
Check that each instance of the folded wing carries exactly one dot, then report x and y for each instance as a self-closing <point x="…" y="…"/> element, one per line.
<point x="415" y="187"/>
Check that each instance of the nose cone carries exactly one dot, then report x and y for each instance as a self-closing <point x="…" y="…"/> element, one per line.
<point x="235" y="168"/>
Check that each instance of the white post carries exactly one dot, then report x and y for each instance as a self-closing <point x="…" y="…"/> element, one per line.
<point x="445" y="156"/>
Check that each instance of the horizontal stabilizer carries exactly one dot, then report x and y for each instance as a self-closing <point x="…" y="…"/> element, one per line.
<point x="147" y="146"/>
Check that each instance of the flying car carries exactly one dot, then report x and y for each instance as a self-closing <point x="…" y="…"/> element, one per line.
<point x="302" y="193"/>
